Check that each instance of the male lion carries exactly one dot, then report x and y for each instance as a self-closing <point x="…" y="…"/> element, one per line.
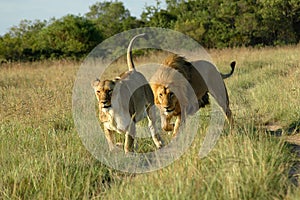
<point x="123" y="102"/>
<point x="175" y="83"/>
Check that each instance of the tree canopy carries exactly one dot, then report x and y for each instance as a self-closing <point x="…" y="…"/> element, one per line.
<point x="214" y="24"/>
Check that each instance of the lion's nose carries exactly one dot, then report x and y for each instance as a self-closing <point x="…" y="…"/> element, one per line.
<point x="104" y="101"/>
<point x="167" y="108"/>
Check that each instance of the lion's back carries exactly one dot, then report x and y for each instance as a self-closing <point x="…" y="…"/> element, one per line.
<point x="178" y="63"/>
<point x="189" y="71"/>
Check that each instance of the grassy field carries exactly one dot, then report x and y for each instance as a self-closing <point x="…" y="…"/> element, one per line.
<point x="42" y="156"/>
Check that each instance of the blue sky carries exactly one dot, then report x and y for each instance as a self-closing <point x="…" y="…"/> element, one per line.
<point x="13" y="11"/>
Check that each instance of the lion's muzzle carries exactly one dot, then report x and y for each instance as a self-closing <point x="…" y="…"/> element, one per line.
<point x="105" y="104"/>
<point x="168" y="110"/>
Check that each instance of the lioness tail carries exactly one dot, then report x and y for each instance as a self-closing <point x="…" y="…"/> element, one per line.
<point x="129" y="52"/>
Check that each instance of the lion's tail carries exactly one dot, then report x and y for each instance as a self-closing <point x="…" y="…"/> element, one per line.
<point x="232" y="65"/>
<point x="129" y="52"/>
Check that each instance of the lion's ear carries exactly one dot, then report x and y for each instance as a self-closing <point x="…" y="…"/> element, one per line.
<point x="95" y="83"/>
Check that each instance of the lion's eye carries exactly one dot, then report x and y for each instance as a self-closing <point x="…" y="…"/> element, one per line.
<point x="98" y="91"/>
<point x="160" y="95"/>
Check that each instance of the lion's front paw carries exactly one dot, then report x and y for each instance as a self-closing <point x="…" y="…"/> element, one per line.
<point x="118" y="147"/>
<point x="168" y="127"/>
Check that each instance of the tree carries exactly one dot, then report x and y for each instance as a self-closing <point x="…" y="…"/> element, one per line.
<point x="161" y="18"/>
<point x="19" y="42"/>
<point x="276" y="22"/>
<point x="70" y="36"/>
<point x="111" y="17"/>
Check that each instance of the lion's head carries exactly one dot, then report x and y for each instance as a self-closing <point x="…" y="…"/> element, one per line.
<point x="166" y="99"/>
<point x="103" y="91"/>
<point x="172" y="91"/>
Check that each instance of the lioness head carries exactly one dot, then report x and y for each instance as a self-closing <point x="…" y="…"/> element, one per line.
<point x="103" y="91"/>
<point x="166" y="99"/>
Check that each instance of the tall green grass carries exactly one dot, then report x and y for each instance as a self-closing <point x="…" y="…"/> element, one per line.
<point x="42" y="157"/>
<point x="245" y="166"/>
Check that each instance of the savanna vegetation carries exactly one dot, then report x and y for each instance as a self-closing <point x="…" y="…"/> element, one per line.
<point x="42" y="156"/>
<point x="214" y="24"/>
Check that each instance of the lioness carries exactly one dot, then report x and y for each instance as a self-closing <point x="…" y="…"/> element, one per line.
<point x="123" y="102"/>
<point x="177" y="80"/>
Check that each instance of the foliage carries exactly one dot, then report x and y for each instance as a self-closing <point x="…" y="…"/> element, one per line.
<point x="71" y="36"/>
<point x="214" y="24"/>
<point x="154" y="16"/>
<point x="111" y="18"/>
<point x="20" y="40"/>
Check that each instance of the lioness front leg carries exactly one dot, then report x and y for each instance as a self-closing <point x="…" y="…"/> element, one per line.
<point x="128" y="146"/>
<point x="129" y="138"/>
<point x="110" y="138"/>
<point x="153" y="129"/>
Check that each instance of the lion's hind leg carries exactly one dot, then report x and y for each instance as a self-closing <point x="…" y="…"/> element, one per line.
<point x="229" y="119"/>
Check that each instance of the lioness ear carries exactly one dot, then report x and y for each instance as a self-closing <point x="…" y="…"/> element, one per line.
<point x="117" y="78"/>
<point x="95" y="83"/>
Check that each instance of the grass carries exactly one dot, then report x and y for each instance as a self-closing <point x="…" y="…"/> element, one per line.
<point x="267" y="83"/>
<point x="42" y="156"/>
<point x="239" y="168"/>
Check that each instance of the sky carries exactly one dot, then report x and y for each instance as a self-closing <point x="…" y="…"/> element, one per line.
<point x="13" y="11"/>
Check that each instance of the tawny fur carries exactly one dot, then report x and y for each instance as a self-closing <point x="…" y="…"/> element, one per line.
<point x="173" y="85"/>
<point x="122" y="103"/>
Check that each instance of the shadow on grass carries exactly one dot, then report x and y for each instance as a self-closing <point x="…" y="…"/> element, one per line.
<point x="294" y="171"/>
<point x="292" y="138"/>
<point x="277" y="130"/>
